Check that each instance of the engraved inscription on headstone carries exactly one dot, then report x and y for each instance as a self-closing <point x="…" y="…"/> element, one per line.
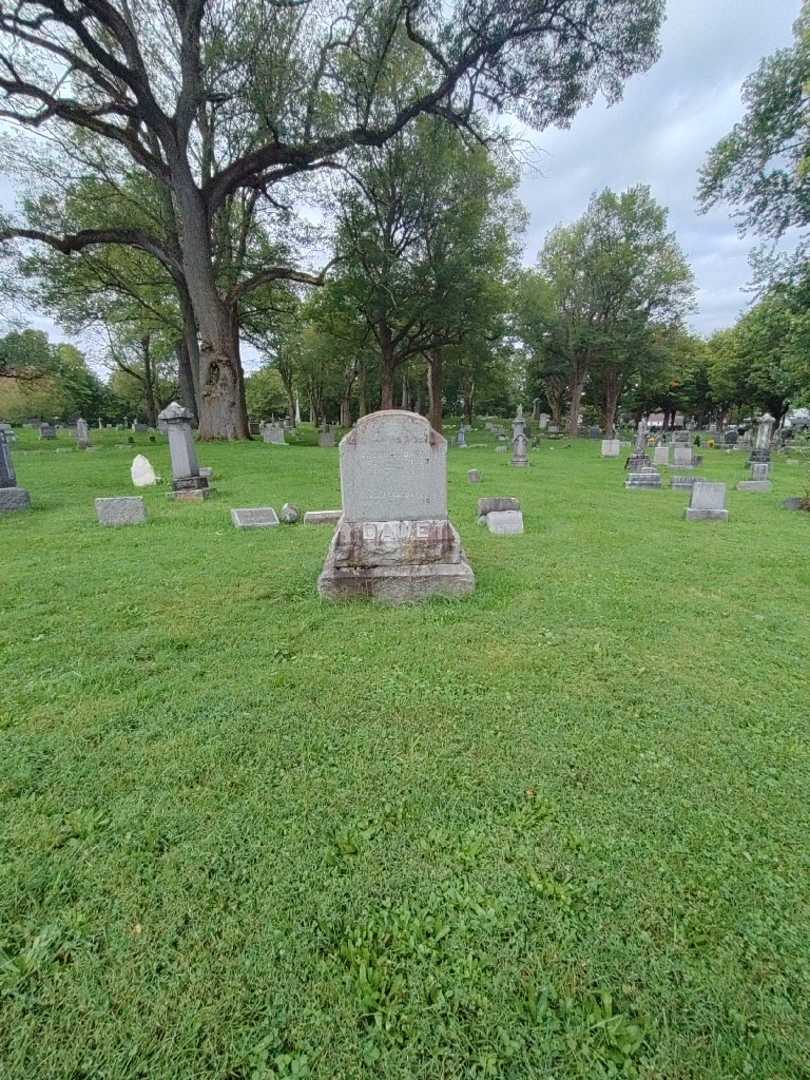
<point x="394" y="541"/>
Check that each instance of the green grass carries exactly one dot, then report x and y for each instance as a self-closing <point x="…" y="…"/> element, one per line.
<point x="559" y="829"/>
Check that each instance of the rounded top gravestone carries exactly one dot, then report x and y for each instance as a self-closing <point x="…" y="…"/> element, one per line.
<point x="393" y="466"/>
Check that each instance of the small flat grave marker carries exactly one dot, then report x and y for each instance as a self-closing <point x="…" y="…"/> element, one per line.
<point x="255" y="517"/>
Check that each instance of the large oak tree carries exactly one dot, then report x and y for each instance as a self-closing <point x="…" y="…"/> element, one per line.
<point x="217" y="98"/>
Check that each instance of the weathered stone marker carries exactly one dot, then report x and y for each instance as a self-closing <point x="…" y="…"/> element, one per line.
<point x="12" y="497"/>
<point x="682" y="457"/>
<point x="141" y="471"/>
<point x="273" y="434"/>
<point x="638" y="459"/>
<point x="760" y="460"/>
<point x="257" y="517"/>
<point x="127" y="510"/>
<point x="322" y="517"/>
<point x="610" y="447"/>
<point x="47" y="431"/>
<point x="394" y="541"/>
<point x="187" y="483"/>
<point x="708" y="502"/>
<point x="461" y="438"/>
<point x="520" y="442"/>
<point x="326" y="439"/>
<point x="82" y="434"/>
<point x="474" y="476"/>
<point x="501" y="515"/>
<point x="661" y="455"/>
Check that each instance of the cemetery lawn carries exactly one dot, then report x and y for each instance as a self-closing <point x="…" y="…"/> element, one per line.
<point x="559" y="829"/>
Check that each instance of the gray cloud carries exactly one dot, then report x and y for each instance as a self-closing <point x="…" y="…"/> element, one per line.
<point x="660" y="133"/>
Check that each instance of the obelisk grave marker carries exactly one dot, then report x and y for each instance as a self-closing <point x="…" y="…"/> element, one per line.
<point x="394" y="541"/>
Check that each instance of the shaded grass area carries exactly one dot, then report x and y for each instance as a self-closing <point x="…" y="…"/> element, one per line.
<point x="557" y="829"/>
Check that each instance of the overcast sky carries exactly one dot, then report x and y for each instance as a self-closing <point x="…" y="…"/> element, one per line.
<point x="659" y="135"/>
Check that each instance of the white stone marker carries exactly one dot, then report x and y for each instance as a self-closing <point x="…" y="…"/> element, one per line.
<point x="474" y="476"/>
<point x="708" y="502"/>
<point x="505" y="522"/>
<point x="682" y="457"/>
<point x="256" y="517"/>
<point x="610" y="447"/>
<point x="394" y="541"/>
<point x="143" y="475"/>
<point x="661" y="455"/>
<point x="127" y="510"/>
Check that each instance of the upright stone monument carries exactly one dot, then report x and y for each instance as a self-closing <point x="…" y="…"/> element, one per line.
<point x="760" y="460"/>
<point x="326" y="438"/>
<point x="683" y="457"/>
<point x="520" y="441"/>
<point x="187" y="483"/>
<point x="610" y="447"/>
<point x="273" y="434"/>
<point x="47" y="431"/>
<point x="12" y="497"/>
<point x="394" y="541"/>
<point x="461" y="439"/>
<point x="761" y="452"/>
<point x="661" y="454"/>
<point x="82" y="434"/>
<point x="708" y="503"/>
<point x="638" y="459"/>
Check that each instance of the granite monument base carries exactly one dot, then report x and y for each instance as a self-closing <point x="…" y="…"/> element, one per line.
<point x="395" y="562"/>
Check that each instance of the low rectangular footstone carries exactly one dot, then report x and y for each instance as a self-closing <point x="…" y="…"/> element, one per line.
<point x="496" y="503"/>
<point x="322" y="517"/>
<point x="505" y="522"/>
<point x="686" y="482"/>
<point x="127" y="510"/>
<point x="755" y="485"/>
<point x="256" y="517"/>
<point x="14" y="498"/>
<point x="648" y="479"/>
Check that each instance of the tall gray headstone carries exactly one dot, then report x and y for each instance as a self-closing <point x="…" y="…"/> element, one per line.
<point x="47" y="431"/>
<point x="12" y="497"/>
<point x="394" y="541"/>
<point x="82" y="434"/>
<point x="187" y="483"/>
<point x="520" y="442"/>
<point x="610" y="447"/>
